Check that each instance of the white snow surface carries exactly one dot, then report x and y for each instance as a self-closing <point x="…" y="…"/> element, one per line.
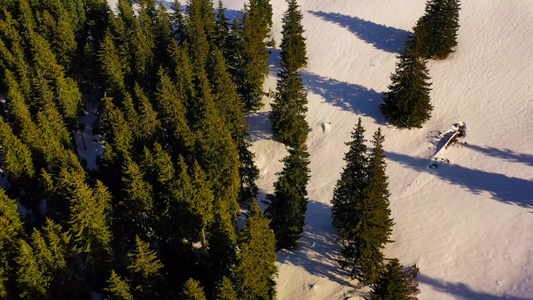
<point x="468" y="222"/>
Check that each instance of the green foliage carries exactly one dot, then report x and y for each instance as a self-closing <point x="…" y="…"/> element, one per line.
<point x="290" y="106"/>
<point x="293" y="54"/>
<point x="253" y="64"/>
<point x="393" y="284"/>
<point x="144" y="262"/>
<point x="436" y="31"/>
<point x="289" y="110"/>
<point x="111" y="65"/>
<point x="11" y="232"/>
<point x="349" y="188"/>
<point x="256" y="268"/>
<point x="15" y="154"/>
<point x="361" y="213"/>
<point x="407" y="103"/>
<point x="192" y="290"/>
<point x="31" y="277"/>
<point x="118" y="289"/>
<point x="90" y="218"/>
<point x="288" y="204"/>
<point x="225" y="290"/>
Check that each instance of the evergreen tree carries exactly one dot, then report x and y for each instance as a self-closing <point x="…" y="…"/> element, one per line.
<point x="348" y="191"/>
<point x="293" y="54"/>
<point x="288" y="204"/>
<point x="256" y="268"/>
<point x="375" y="224"/>
<point x="225" y="290"/>
<point x="31" y="277"/>
<point x="253" y="62"/>
<point x="361" y="213"/>
<point x="15" y="154"/>
<point x="118" y="288"/>
<point x="407" y="103"/>
<point x="192" y="290"/>
<point x="146" y="271"/>
<point x="178" y="22"/>
<point x="289" y="110"/>
<point x="111" y="65"/>
<point x="90" y="211"/>
<point x="222" y="26"/>
<point x="11" y="232"/>
<point x="436" y="31"/>
<point x="290" y="106"/>
<point x="392" y="284"/>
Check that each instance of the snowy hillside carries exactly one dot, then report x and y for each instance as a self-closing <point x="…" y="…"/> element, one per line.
<point x="467" y="220"/>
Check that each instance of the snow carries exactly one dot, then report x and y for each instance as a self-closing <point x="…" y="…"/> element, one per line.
<point x="468" y="222"/>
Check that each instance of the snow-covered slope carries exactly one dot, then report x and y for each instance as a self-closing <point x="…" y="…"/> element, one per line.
<point x="467" y="223"/>
<point x="467" y="220"/>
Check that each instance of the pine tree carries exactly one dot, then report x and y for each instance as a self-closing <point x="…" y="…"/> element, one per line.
<point x="361" y="213"/>
<point x="288" y="204"/>
<point x="375" y="224"/>
<point x="253" y="64"/>
<point x="290" y="106"/>
<point x="222" y="26"/>
<point x="118" y="288"/>
<point x="31" y="277"/>
<point x="289" y="110"/>
<point x="225" y="290"/>
<point x="90" y="218"/>
<point x="11" y="231"/>
<point x="111" y="65"/>
<point x="15" y="154"/>
<point x="137" y="208"/>
<point x="146" y="270"/>
<point x="178" y="22"/>
<point x="392" y="284"/>
<point x="256" y="268"/>
<point x="436" y="31"/>
<point x="349" y="189"/>
<point x="192" y="290"/>
<point x="293" y="54"/>
<point x="407" y="103"/>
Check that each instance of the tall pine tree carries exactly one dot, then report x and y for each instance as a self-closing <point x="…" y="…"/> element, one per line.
<point x="290" y="106"/>
<point x="436" y="31"/>
<point x="288" y="204"/>
<point x="407" y="103"/>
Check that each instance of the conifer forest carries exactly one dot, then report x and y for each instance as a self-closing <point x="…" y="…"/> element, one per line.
<point x="155" y="216"/>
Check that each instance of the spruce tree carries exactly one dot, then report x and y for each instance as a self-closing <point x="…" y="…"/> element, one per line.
<point x="11" y="232"/>
<point x="31" y="274"/>
<point x="288" y="204"/>
<point x="146" y="271"/>
<point x="192" y="290"/>
<point x="407" y="103"/>
<point x="392" y="284"/>
<point x="436" y="31"/>
<point x="375" y="224"/>
<point x="361" y="213"/>
<point x="256" y="268"/>
<point x="118" y="288"/>
<point x="225" y="290"/>
<point x="348" y="192"/>
<point x="253" y="63"/>
<point x="290" y="106"/>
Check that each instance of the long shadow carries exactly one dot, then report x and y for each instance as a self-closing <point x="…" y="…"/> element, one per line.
<point x="382" y="37"/>
<point x="505" y="154"/>
<point x="317" y="250"/>
<point x="348" y="96"/>
<point x="461" y="290"/>
<point x="502" y="188"/>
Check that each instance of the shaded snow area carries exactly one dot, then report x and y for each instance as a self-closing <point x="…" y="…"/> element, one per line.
<point x="463" y="213"/>
<point x="90" y="145"/>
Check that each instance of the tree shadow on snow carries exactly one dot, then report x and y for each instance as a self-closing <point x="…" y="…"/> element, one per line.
<point x="461" y="290"/>
<point x="260" y="126"/>
<point x="348" y="96"/>
<point x="382" y="37"/>
<point x="506" y="154"/>
<point x="502" y="188"/>
<point x="317" y="249"/>
<point x="274" y="61"/>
